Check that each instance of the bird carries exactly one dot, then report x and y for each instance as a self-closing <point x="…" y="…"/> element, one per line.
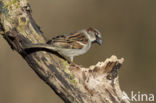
<point x="71" y="44"/>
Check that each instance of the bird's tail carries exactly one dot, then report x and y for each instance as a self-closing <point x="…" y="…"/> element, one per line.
<point x="39" y="46"/>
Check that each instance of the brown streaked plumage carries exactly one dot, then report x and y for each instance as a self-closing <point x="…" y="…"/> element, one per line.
<point x="72" y="44"/>
<point x="70" y="41"/>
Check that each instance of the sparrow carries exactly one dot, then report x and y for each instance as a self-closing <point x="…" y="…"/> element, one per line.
<point x="71" y="44"/>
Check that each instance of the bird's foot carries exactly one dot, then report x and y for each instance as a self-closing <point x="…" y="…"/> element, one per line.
<point x="74" y="65"/>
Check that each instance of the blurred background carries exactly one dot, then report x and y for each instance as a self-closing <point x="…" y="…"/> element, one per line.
<point x="128" y="29"/>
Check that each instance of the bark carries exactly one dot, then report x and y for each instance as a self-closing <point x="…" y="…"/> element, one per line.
<point x="74" y="84"/>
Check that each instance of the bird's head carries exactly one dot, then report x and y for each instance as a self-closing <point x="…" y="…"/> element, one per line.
<point x="94" y="35"/>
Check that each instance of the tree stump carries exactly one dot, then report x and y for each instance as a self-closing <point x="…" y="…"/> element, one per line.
<point x="74" y="84"/>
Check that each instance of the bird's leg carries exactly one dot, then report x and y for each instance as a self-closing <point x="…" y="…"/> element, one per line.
<point x="72" y="63"/>
<point x="71" y="58"/>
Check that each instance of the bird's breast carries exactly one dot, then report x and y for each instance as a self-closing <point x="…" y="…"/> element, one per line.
<point x="75" y="52"/>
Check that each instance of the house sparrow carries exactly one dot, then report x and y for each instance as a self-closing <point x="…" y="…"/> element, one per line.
<point x="72" y="44"/>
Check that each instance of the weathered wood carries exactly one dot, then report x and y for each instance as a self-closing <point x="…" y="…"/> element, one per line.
<point x="96" y="84"/>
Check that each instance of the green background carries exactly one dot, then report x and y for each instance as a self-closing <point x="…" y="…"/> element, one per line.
<point x="128" y="29"/>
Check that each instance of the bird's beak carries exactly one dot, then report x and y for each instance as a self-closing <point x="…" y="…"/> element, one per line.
<point x="99" y="41"/>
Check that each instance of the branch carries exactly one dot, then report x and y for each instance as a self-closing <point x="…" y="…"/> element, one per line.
<point x="74" y="84"/>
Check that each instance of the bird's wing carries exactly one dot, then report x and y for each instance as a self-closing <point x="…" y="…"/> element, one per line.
<point x="69" y="41"/>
